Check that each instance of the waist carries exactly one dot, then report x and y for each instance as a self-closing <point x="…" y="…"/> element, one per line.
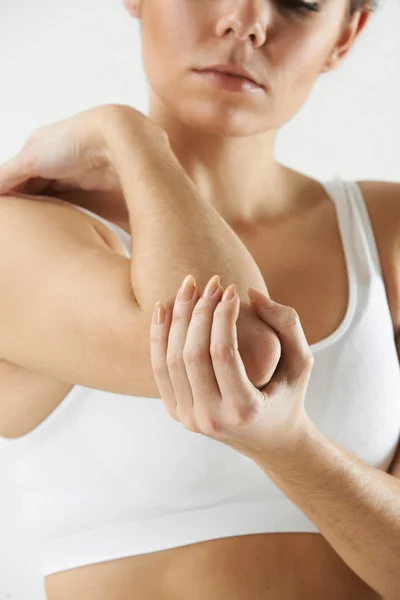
<point x="274" y="566"/>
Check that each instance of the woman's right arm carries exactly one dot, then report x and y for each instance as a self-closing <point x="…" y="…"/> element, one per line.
<point x="67" y="309"/>
<point x="175" y="232"/>
<point x="73" y="309"/>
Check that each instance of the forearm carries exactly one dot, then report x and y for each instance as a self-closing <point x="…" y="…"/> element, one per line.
<point x="174" y="232"/>
<point x="355" y="506"/>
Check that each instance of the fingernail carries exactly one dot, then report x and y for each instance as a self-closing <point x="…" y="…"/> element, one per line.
<point x="229" y="293"/>
<point x="186" y="291"/>
<point x="159" y="313"/>
<point x="260" y="299"/>
<point x="211" y="287"/>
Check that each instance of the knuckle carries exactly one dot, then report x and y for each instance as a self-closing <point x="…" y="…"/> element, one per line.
<point x="180" y="312"/>
<point x="309" y="361"/>
<point x="224" y="319"/>
<point x="159" y="369"/>
<point x="223" y="311"/>
<point x="291" y="317"/>
<point x="240" y="415"/>
<point x="179" y="315"/>
<point x="223" y="352"/>
<point x="175" y="362"/>
<point x="192" y="428"/>
<point x="173" y="414"/>
<point x="237" y="418"/>
<point x="209" y="425"/>
<point x="178" y="381"/>
<point x="201" y="308"/>
<point x="188" y="422"/>
<point x="157" y="337"/>
<point x="196" y="357"/>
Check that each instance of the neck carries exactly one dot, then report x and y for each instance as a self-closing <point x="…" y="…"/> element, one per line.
<point x="237" y="175"/>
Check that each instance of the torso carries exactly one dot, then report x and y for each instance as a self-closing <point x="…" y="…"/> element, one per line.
<point x="277" y="566"/>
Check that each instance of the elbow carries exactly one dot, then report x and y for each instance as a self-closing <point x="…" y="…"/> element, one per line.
<point x="259" y="346"/>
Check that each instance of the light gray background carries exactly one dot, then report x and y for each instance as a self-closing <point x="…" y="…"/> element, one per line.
<point x="58" y="58"/>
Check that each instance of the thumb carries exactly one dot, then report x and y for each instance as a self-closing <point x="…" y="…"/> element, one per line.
<point x="13" y="173"/>
<point x="286" y="323"/>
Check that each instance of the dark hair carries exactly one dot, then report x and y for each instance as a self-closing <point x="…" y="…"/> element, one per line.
<point x="362" y="4"/>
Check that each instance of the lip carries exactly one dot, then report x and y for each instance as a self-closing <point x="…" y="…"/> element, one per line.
<point x="228" y="82"/>
<point x="235" y="70"/>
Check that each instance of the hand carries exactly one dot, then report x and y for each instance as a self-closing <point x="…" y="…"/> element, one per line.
<point x="70" y="154"/>
<point x="203" y="383"/>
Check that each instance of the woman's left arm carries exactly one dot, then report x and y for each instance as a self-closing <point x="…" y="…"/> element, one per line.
<point x="355" y="506"/>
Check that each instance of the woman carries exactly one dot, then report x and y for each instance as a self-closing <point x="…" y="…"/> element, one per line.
<point x="277" y="480"/>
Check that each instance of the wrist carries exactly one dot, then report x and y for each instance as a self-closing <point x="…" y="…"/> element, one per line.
<point x="142" y="157"/>
<point x="124" y="127"/>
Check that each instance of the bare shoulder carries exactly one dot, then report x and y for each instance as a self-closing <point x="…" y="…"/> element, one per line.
<point x="16" y="203"/>
<point x="382" y="199"/>
<point x="65" y="207"/>
<point x="29" y="216"/>
<point x="110" y="205"/>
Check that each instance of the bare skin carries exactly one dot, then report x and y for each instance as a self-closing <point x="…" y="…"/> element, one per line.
<point x="212" y="132"/>
<point x="294" y="566"/>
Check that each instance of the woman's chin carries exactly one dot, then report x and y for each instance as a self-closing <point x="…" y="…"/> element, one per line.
<point x="223" y="124"/>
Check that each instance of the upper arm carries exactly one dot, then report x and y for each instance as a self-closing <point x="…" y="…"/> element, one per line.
<point x="383" y="203"/>
<point x="394" y="468"/>
<point x="67" y="308"/>
<point x="392" y="198"/>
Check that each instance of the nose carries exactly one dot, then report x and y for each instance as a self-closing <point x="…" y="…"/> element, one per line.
<point x="248" y="19"/>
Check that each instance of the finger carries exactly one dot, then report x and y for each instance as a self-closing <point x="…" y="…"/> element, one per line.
<point x="286" y="323"/>
<point x="197" y="357"/>
<point x="182" y="313"/>
<point x="13" y="173"/>
<point x="158" y="352"/>
<point x="236" y="389"/>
